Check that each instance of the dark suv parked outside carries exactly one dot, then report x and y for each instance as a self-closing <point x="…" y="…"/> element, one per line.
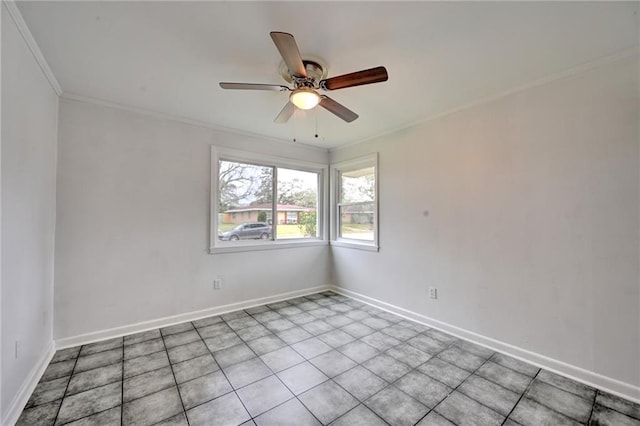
<point x="247" y="231"/>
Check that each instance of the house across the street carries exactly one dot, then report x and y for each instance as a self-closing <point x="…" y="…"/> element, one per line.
<point x="285" y="214"/>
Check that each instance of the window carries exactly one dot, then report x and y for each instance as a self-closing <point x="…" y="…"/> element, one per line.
<point x="355" y="203"/>
<point x="262" y="202"/>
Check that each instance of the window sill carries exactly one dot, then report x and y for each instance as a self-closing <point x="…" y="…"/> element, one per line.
<point x="358" y="246"/>
<point x="267" y="246"/>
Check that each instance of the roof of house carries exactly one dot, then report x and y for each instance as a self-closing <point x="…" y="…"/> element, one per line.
<point x="267" y="207"/>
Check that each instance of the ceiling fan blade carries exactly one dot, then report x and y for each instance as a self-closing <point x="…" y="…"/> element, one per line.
<point x="286" y="113"/>
<point x="338" y="109"/>
<point x="253" y="86"/>
<point x="288" y="49"/>
<point x="373" y="75"/>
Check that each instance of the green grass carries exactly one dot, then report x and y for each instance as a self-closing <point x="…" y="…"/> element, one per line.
<point x="290" y="231"/>
<point x="224" y="227"/>
<point x="294" y="231"/>
<point x="354" y="228"/>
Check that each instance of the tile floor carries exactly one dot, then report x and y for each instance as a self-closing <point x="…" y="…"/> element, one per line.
<point x="320" y="359"/>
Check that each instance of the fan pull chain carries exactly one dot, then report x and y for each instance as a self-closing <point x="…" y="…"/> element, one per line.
<point x="295" y="129"/>
<point x="295" y="117"/>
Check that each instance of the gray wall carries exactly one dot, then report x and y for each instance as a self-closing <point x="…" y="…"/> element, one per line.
<point x="29" y="123"/>
<point x="133" y="223"/>
<point x="532" y="231"/>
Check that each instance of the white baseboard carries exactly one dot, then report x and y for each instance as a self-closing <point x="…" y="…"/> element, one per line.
<point x="96" y="336"/>
<point x="24" y="393"/>
<point x="590" y="378"/>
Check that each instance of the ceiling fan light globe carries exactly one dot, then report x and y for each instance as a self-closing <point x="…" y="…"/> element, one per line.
<point x="305" y="98"/>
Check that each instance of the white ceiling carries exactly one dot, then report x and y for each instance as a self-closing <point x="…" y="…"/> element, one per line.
<point x="168" y="57"/>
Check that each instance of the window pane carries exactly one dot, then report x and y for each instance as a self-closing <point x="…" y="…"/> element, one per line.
<point x="356" y="221"/>
<point x="358" y="185"/>
<point x="297" y="204"/>
<point x="244" y="201"/>
<point x="356" y="208"/>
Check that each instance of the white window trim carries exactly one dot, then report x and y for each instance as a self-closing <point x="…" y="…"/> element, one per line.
<point x="216" y="246"/>
<point x="344" y="166"/>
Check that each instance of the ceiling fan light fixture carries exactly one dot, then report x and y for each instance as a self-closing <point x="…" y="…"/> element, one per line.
<point x="304" y="98"/>
<point x="307" y="77"/>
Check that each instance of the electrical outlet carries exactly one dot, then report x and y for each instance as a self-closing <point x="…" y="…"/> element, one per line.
<point x="433" y="292"/>
<point x="17" y="349"/>
<point x="217" y="283"/>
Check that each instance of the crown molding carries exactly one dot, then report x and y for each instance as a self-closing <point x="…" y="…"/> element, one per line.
<point x="17" y="18"/>
<point x="588" y="66"/>
<point x="176" y="118"/>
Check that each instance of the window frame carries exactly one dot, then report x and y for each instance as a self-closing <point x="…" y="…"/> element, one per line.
<point x="228" y="154"/>
<point x="336" y="170"/>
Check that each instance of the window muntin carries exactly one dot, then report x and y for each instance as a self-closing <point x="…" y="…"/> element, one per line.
<point x="279" y="201"/>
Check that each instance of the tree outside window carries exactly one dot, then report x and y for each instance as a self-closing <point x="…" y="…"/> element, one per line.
<point x="248" y="188"/>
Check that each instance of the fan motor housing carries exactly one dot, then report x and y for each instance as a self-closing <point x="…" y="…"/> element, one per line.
<point x="315" y="72"/>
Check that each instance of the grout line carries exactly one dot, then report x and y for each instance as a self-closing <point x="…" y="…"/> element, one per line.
<point x="142" y="341"/>
<point x="598" y="392"/>
<point x="434" y="356"/>
<point x="384" y="352"/>
<point x="66" y="394"/>
<point x="86" y="371"/>
<point x="67" y="387"/>
<point x="359" y="404"/>
<point x="463" y="381"/>
<point x="329" y="379"/>
<point x="503" y="387"/>
<point x="164" y="389"/>
<point x="521" y="396"/>
<point x="220" y="368"/>
<point x="347" y="391"/>
<point x="184" y="411"/>
<point x="139" y="374"/>
<point x="360" y="364"/>
<point x="275" y="374"/>
<point x="122" y="389"/>
<point x="509" y="368"/>
<point x="456" y="388"/>
<point x="486" y="360"/>
<point x="306" y="360"/>
<point x="569" y="392"/>
<point x="506" y="349"/>
<point x="554" y="410"/>
<point x="372" y="313"/>
<point x="89" y="415"/>
<point x="222" y="320"/>
<point x="558" y="412"/>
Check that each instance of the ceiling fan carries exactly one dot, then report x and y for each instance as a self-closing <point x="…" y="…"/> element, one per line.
<point x="308" y="77"/>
